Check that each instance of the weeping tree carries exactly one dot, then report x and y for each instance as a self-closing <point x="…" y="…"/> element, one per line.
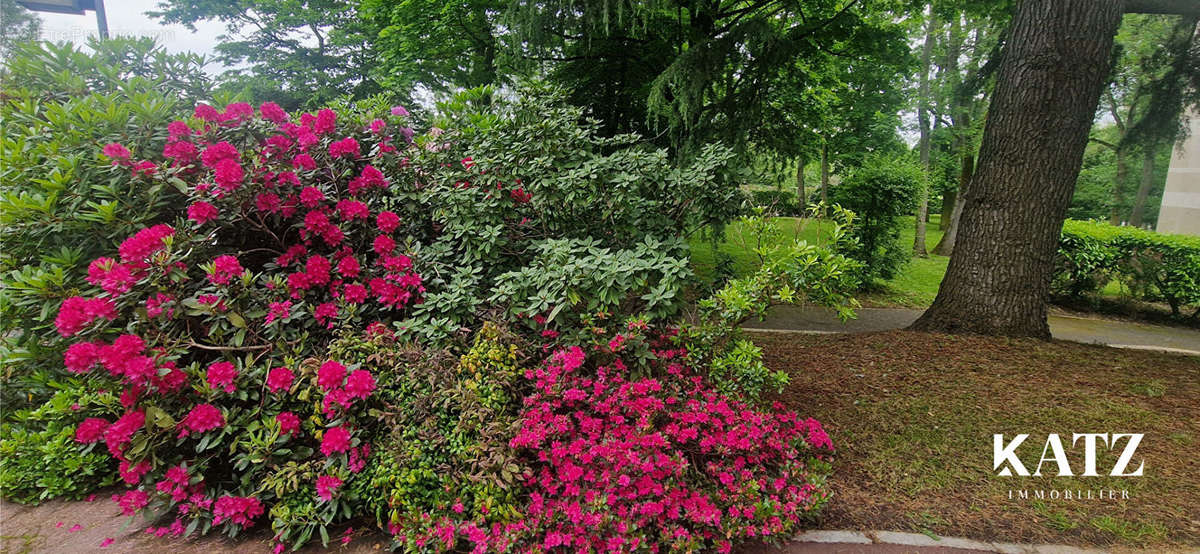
<point x="695" y="71"/>
<point x="1056" y="63"/>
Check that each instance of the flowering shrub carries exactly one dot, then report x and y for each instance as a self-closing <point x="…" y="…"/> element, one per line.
<point x="625" y="464"/>
<point x="288" y="348"/>
<point x="446" y="456"/>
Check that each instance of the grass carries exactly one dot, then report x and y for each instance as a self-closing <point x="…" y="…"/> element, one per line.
<point x="913" y="414"/>
<point x="915" y="286"/>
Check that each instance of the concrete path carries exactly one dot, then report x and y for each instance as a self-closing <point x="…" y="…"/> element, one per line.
<point x="1078" y="329"/>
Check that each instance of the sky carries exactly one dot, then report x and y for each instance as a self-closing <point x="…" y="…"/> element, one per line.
<point x="128" y="17"/>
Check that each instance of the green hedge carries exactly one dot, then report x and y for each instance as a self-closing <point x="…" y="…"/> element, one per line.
<point x="1154" y="266"/>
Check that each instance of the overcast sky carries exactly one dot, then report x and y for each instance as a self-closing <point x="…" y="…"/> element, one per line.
<point x="128" y="17"/>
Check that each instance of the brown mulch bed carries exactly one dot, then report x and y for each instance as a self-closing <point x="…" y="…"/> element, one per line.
<point x="912" y="416"/>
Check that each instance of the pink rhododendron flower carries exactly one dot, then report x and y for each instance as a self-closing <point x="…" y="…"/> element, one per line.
<point x="368" y="178"/>
<point x="350" y="210"/>
<point x="387" y="221"/>
<point x="330" y="375"/>
<point x="218" y="153"/>
<point x="144" y="168"/>
<point x="154" y="305"/>
<point x="237" y="112"/>
<point x="202" y="212"/>
<point x="289" y="423"/>
<point x="304" y="161"/>
<point x="178" y="129"/>
<point x="132" y="473"/>
<point x="272" y="112"/>
<point x="268" y="202"/>
<point x="335" y="440"/>
<point x="325" y="313"/>
<point x="278" y="310"/>
<point x="345" y="147"/>
<point x="326" y="486"/>
<point x="132" y="501"/>
<point x="117" y="152"/>
<point x="326" y="121"/>
<point x="348" y="267"/>
<point x="241" y="510"/>
<point x="360" y="383"/>
<point x="144" y="243"/>
<point x="354" y="293"/>
<point x="202" y="418"/>
<point x="77" y="312"/>
<point x="225" y="268"/>
<point x="311" y="197"/>
<point x="207" y="113"/>
<point x="399" y="111"/>
<point x="115" y="278"/>
<point x="119" y="433"/>
<point x="91" y="430"/>
<point x="221" y="375"/>
<point x="383" y="245"/>
<point x="377" y="126"/>
<point x="280" y="379"/>
<point x="81" y="356"/>
<point x="229" y="175"/>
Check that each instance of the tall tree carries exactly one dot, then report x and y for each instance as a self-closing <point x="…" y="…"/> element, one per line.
<point x="1046" y="94"/>
<point x="1163" y="121"/>
<point x="17" y="24"/>
<point x="923" y="101"/>
<point x="434" y="44"/>
<point x="296" y="53"/>
<point x="705" y="69"/>
<point x="1048" y="87"/>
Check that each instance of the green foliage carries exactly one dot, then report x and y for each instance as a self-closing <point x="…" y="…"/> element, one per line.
<point x="448" y="425"/>
<point x="1154" y="266"/>
<point x="740" y="371"/>
<point x="574" y="283"/>
<point x="879" y="192"/>
<point x="780" y="202"/>
<point x="39" y="458"/>
<point x="791" y="273"/>
<point x="61" y="204"/>
<point x="440" y="45"/>
<point x="294" y="53"/>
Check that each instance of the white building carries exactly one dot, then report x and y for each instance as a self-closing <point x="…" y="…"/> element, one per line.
<point x="1180" y="212"/>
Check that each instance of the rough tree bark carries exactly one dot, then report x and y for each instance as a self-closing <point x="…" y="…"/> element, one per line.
<point x="1047" y="91"/>
<point x="919" y="249"/>
<point x="801" y="200"/>
<point x="945" y="247"/>
<point x="1139" y="201"/>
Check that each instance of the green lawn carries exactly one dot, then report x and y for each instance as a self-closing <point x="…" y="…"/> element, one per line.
<point x="915" y="286"/>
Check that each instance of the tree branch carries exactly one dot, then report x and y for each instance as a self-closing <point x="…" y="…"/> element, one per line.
<point x="1171" y="7"/>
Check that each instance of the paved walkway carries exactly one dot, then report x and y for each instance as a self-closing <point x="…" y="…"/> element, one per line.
<point x="1120" y="334"/>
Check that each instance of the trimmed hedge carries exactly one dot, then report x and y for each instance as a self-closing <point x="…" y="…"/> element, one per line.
<point x="1155" y="267"/>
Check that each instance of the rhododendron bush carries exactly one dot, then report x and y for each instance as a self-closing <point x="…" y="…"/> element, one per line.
<point x="307" y="344"/>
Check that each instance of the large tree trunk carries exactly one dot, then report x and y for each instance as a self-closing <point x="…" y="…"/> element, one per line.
<point x="919" y="249"/>
<point x="1139" y="201"/>
<point x="801" y="200"/>
<point x="945" y="247"/>
<point x="1047" y="90"/>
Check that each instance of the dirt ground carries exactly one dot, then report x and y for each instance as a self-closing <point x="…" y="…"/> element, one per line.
<point x="913" y="415"/>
